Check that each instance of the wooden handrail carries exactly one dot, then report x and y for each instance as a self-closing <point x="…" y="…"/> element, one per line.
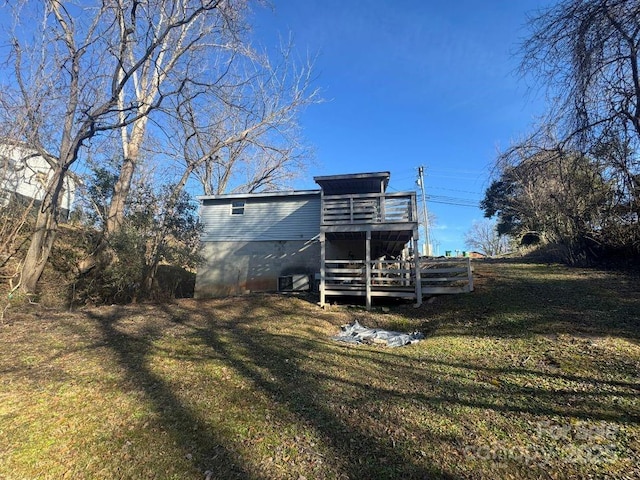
<point x="368" y="209"/>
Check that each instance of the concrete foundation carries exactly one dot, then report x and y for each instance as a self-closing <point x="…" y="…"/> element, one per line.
<point x="236" y="268"/>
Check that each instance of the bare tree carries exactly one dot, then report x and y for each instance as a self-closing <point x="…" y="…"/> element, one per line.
<point x="243" y="136"/>
<point x="576" y="180"/>
<point x="192" y="49"/>
<point x="587" y="54"/>
<point x="233" y="122"/>
<point x="240" y="135"/>
<point x="483" y="236"/>
<point x="71" y="83"/>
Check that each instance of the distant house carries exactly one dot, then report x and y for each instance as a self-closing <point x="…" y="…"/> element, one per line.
<point x="350" y="238"/>
<point x="24" y="177"/>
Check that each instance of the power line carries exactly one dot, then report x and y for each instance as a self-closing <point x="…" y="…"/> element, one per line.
<point x="431" y="187"/>
<point x="446" y="200"/>
<point x="443" y="199"/>
<point x="460" y="202"/>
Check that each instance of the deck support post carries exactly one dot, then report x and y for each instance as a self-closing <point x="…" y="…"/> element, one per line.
<point x="367" y="263"/>
<point x="323" y="251"/>
<point x="416" y="259"/>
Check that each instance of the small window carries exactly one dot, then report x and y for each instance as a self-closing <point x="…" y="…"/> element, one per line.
<point x="237" y="208"/>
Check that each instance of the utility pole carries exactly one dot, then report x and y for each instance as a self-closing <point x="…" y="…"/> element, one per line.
<point x="424" y="209"/>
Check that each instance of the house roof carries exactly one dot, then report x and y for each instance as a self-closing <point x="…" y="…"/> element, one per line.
<point x="375" y="182"/>
<point x="233" y="196"/>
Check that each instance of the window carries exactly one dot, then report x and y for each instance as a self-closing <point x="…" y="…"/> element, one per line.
<point x="237" y="208"/>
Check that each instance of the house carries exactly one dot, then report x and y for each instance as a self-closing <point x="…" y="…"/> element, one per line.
<point x="25" y="175"/>
<point x="351" y="237"/>
<point x="249" y="241"/>
<point x="364" y="234"/>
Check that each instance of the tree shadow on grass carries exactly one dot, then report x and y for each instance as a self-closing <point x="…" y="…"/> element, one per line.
<point x="502" y="389"/>
<point x="301" y="373"/>
<point x="197" y="440"/>
<point x="275" y="364"/>
<point x="314" y="384"/>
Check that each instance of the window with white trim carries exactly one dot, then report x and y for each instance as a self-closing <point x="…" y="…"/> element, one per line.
<point x="237" y="207"/>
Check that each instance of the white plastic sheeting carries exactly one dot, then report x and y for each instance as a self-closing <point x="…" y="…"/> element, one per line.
<point x="356" y="333"/>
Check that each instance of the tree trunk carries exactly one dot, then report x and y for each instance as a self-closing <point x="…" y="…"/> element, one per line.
<point x="39" y="250"/>
<point x="149" y="275"/>
<point x="115" y="215"/>
<point x="131" y="150"/>
<point x="44" y="236"/>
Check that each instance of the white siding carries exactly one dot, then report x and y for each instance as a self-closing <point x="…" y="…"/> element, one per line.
<point x="295" y="217"/>
<point x="27" y="174"/>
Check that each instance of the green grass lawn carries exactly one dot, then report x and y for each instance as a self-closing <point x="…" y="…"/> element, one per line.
<point x="533" y="375"/>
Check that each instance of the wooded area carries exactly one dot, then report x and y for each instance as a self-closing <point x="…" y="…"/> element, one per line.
<point x="574" y="182"/>
<point x="138" y="100"/>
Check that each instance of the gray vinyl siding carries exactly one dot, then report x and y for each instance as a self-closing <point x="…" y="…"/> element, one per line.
<point x="295" y="217"/>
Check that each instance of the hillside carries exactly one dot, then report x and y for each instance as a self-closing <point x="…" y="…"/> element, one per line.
<point x="533" y="375"/>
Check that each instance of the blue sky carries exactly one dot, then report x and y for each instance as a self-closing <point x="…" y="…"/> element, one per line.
<point x="410" y="83"/>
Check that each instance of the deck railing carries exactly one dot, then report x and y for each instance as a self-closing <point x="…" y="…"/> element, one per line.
<point x="437" y="276"/>
<point x="368" y="208"/>
<point x="446" y="275"/>
<point x="348" y="274"/>
<point x="352" y="274"/>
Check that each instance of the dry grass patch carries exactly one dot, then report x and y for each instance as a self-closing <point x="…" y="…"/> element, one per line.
<point x="534" y="375"/>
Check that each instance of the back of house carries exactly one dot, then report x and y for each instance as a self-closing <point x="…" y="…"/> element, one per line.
<point x="351" y="238"/>
<point x="251" y="241"/>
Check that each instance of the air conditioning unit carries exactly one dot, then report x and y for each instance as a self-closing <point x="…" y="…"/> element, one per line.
<point x="293" y="283"/>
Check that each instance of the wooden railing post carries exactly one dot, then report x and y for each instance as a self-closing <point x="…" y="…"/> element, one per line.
<point x="323" y="251"/>
<point x="416" y="260"/>
<point x="367" y="260"/>
<point x="413" y="208"/>
<point x="350" y="209"/>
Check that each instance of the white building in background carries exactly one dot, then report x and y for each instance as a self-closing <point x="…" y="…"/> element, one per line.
<point x="24" y="176"/>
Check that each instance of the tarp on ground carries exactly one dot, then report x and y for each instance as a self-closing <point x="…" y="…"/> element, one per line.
<point x="356" y="333"/>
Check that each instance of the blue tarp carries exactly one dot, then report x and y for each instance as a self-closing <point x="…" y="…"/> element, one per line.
<point x="356" y="333"/>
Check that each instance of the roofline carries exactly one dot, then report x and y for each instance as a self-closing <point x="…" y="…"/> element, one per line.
<point x="286" y="193"/>
<point x="350" y="176"/>
<point x="7" y="142"/>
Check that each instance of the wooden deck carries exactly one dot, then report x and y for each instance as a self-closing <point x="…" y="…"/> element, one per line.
<point x="446" y="276"/>
<point x="368" y="209"/>
<point x="398" y="278"/>
<point x="367" y="227"/>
